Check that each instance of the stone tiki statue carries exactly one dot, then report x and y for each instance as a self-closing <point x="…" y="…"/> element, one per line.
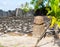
<point x="38" y="27"/>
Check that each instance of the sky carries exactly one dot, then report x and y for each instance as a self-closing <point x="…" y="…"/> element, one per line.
<point x="11" y="4"/>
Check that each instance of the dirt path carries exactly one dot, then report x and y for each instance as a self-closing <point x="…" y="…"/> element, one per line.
<point x="25" y="41"/>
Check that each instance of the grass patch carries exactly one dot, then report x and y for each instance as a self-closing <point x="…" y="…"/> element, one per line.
<point x="1" y="45"/>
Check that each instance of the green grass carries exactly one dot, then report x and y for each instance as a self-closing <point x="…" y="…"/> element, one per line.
<point x="1" y="45"/>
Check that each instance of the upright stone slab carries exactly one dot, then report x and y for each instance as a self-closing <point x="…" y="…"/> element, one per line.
<point x="38" y="26"/>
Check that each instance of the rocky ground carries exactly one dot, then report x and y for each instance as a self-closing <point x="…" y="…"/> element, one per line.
<point x="8" y="40"/>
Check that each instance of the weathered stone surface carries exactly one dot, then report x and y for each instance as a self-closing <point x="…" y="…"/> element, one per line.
<point x="38" y="20"/>
<point x="13" y="24"/>
<point x="38" y="30"/>
<point x="38" y="26"/>
<point x="16" y="12"/>
<point x="5" y="14"/>
<point x="1" y="13"/>
<point x="29" y="13"/>
<point x="19" y="12"/>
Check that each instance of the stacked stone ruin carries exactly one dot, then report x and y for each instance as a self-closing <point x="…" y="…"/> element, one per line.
<point x="9" y="22"/>
<point x="13" y="24"/>
<point x="23" y="22"/>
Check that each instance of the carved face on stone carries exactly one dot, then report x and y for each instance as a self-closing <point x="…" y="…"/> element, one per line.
<point x="38" y="20"/>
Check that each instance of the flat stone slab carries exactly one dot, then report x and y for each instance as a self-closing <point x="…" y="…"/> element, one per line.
<point x="26" y="41"/>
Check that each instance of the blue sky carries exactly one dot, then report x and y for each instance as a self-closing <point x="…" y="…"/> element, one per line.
<point x="11" y="4"/>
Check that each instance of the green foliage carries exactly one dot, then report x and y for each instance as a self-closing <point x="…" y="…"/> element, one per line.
<point x="54" y="12"/>
<point x="26" y="7"/>
<point x="38" y="3"/>
<point x="54" y="4"/>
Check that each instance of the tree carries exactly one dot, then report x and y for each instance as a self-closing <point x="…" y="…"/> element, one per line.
<point x="40" y="7"/>
<point x="38" y="3"/>
<point x="54" y="12"/>
<point x="26" y="7"/>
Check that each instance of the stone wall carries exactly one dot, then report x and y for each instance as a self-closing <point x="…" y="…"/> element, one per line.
<point x="20" y="24"/>
<point x="23" y="22"/>
<point x="20" y="13"/>
<point x="7" y="13"/>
